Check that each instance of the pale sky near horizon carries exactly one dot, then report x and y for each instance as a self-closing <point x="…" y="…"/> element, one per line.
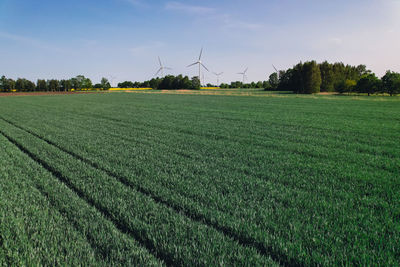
<point x="122" y="38"/>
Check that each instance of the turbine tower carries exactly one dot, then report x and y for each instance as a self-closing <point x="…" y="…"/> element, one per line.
<point x="244" y="74"/>
<point x="162" y="68"/>
<point x="198" y="62"/>
<point x="218" y="74"/>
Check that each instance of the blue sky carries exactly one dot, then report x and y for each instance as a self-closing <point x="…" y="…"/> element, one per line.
<point x="122" y="38"/>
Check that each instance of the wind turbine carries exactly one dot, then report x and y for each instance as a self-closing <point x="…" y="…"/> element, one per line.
<point x="112" y="78"/>
<point x="198" y="62"/>
<point x="243" y="73"/>
<point x="218" y="74"/>
<point x="162" y="68"/>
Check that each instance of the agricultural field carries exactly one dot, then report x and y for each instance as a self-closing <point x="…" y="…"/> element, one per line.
<point x="199" y="179"/>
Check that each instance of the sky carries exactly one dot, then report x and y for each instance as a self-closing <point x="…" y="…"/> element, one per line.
<point x="121" y="39"/>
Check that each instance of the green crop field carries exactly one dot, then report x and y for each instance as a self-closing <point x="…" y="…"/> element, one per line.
<point x="205" y="178"/>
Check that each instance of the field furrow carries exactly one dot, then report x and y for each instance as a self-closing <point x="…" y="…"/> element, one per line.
<point x="108" y="244"/>
<point x="309" y="200"/>
<point x="301" y="181"/>
<point x="132" y="211"/>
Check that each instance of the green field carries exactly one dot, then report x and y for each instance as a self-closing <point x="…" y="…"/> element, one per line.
<point x="194" y="179"/>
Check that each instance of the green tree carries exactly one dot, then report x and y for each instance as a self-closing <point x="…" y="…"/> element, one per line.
<point x="105" y="84"/>
<point x="155" y="83"/>
<point x="362" y="70"/>
<point x="391" y="83"/>
<point x="167" y="82"/>
<point x="53" y="85"/>
<point x="41" y="85"/>
<point x="75" y="83"/>
<point x="311" y="77"/>
<point x="126" y="84"/>
<point x="145" y="84"/>
<point x="339" y="74"/>
<point x="327" y="77"/>
<point x="266" y="85"/>
<point x="30" y="86"/>
<point x="345" y="86"/>
<point x="20" y="84"/>
<point x="65" y="85"/>
<point x="369" y="84"/>
<point x="186" y="83"/>
<point x="3" y="82"/>
<point x="288" y="81"/>
<point x="273" y="80"/>
<point x="177" y="82"/>
<point x="294" y="80"/>
<point x="81" y="82"/>
<point x="9" y="85"/>
<point x="195" y="83"/>
<point x="86" y="83"/>
<point x="237" y="84"/>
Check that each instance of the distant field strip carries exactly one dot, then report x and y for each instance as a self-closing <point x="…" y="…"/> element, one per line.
<point x="129" y="89"/>
<point x="210" y="180"/>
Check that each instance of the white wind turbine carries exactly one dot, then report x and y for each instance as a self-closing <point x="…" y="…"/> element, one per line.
<point x="198" y="62"/>
<point x="162" y="68"/>
<point x="218" y="74"/>
<point x="112" y="78"/>
<point x="244" y="74"/>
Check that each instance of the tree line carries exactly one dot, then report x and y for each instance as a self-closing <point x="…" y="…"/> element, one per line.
<point x="304" y="78"/>
<point x="168" y="82"/>
<point x="77" y="83"/>
<point x="238" y="84"/>
<point x="311" y="77"/>
<point x="171" y="82"/>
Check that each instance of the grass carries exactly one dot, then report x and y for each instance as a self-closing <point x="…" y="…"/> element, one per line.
<point x="216" y="177"/>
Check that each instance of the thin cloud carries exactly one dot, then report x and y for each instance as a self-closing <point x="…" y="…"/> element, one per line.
<point x="226" y="21"/>
<point x="28" y="41"/>
<point x="137" y="3"/>
<point x="336" y="41"/>
<point x="191" y="9"/>
<point x="241" y="25"/>
<point x="229" y="23"/>
<point x="144" y="49"/>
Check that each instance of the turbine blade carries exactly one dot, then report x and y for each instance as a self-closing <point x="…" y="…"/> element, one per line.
<point x="167" y="68"/>
<point x="201" y="53"/>
<point x="204" y="66"/>
<point x="275" y="68"/>
<point x="158" y="72"/>
<point x="246" y="70"/>
<point x="159" y="60"/>
<point x="192" y="64"/>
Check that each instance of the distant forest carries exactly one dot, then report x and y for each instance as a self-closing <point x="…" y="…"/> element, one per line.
<point x="80" y="82"/>
<point x="168" y="82"/>
<point x="304" y="78"/>
<point x="311" y="77"/>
